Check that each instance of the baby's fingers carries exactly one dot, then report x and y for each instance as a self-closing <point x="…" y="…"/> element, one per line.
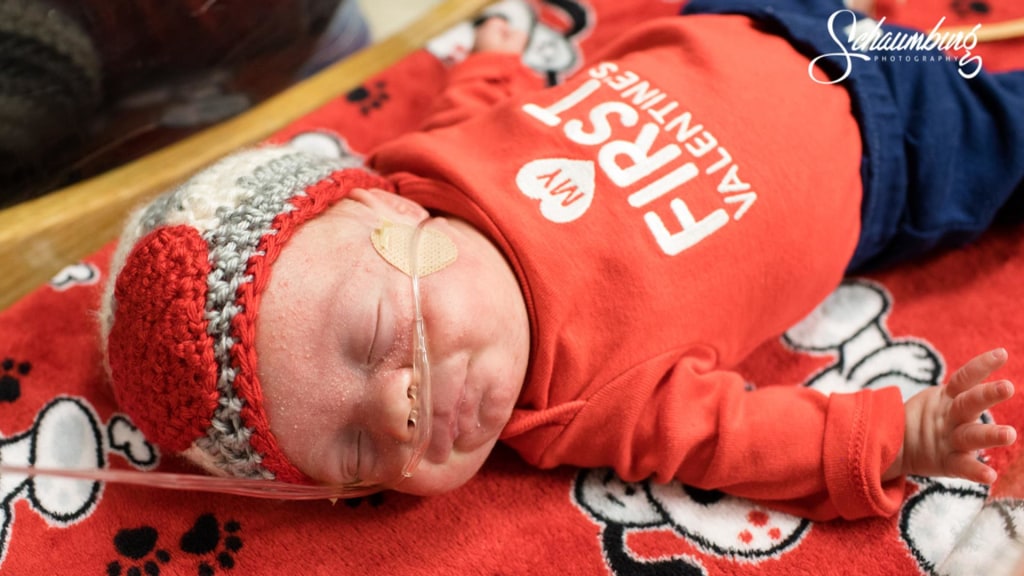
<point x="968" y="405"/>
<point x="971" y="437"/>
<point x="965" y="465"/>
<point x="976" y="370"/>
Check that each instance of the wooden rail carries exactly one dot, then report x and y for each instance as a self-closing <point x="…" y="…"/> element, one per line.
<point x="41" y="236"/>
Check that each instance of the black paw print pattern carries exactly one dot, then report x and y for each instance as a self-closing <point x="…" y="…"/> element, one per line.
<point x="140" y="555"/>
<point x="368" y="97"/>
<point x="138" y="547"/>
<point x="375" y="500"/>
<point x="204" y="539"/>
<point x="967" y="8"/>
<point x="11" y="373"/>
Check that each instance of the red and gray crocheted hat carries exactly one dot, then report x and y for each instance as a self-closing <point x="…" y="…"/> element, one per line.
<point x="179" y="313"/>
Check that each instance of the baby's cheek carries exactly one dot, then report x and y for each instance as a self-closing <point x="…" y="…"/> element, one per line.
<point x="303" y="431"/>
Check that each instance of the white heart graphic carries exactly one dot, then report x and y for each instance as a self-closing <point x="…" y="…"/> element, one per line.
<point x="564" y="187"/>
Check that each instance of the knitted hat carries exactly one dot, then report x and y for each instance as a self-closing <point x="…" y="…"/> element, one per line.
<point x="180" y="308"/>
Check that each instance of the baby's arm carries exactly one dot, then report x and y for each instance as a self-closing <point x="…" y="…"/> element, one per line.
<point x="942" y="432"/>
<point x="684" y="418"/>
<point x="493" y="72"/>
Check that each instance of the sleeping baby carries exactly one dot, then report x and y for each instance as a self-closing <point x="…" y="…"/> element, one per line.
<point x="576" y="272"/>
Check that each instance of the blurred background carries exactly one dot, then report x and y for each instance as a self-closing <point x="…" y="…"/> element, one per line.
<point x="88" y="85"/>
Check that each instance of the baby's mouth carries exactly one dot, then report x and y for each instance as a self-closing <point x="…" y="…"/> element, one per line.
<point x="446" y="427"/>
<point x="456" y="430"/>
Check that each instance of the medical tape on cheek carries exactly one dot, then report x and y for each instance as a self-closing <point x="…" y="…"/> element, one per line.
<point x="391" y="241"/>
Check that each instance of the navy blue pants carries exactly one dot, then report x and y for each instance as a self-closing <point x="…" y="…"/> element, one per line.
<point x="942" y="154"/>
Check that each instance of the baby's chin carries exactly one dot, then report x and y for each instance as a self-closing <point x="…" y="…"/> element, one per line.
<point x="431" y="479"/>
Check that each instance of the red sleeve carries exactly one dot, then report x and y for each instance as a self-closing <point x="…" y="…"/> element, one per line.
<point x="791" y="447"/>
<point x="477" y="84"/>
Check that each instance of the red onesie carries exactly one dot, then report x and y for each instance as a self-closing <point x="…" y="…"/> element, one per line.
<point x="666" y="211"/>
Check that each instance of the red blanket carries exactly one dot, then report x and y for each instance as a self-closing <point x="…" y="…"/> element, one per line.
<point x="907" y="327"/>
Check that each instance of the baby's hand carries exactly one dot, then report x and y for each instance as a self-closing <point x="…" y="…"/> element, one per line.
<point x="495" y="35"/>
<point x="942" y="432"/>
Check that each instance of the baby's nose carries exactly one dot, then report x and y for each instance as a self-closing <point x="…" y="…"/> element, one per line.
<point x="394" y="406"/>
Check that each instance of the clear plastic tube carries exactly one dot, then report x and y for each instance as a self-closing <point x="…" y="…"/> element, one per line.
<point x="196" y="482"/>
<point x="420" y="390"/>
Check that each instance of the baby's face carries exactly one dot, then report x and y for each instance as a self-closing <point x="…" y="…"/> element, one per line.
<point x="334" y="342"/>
